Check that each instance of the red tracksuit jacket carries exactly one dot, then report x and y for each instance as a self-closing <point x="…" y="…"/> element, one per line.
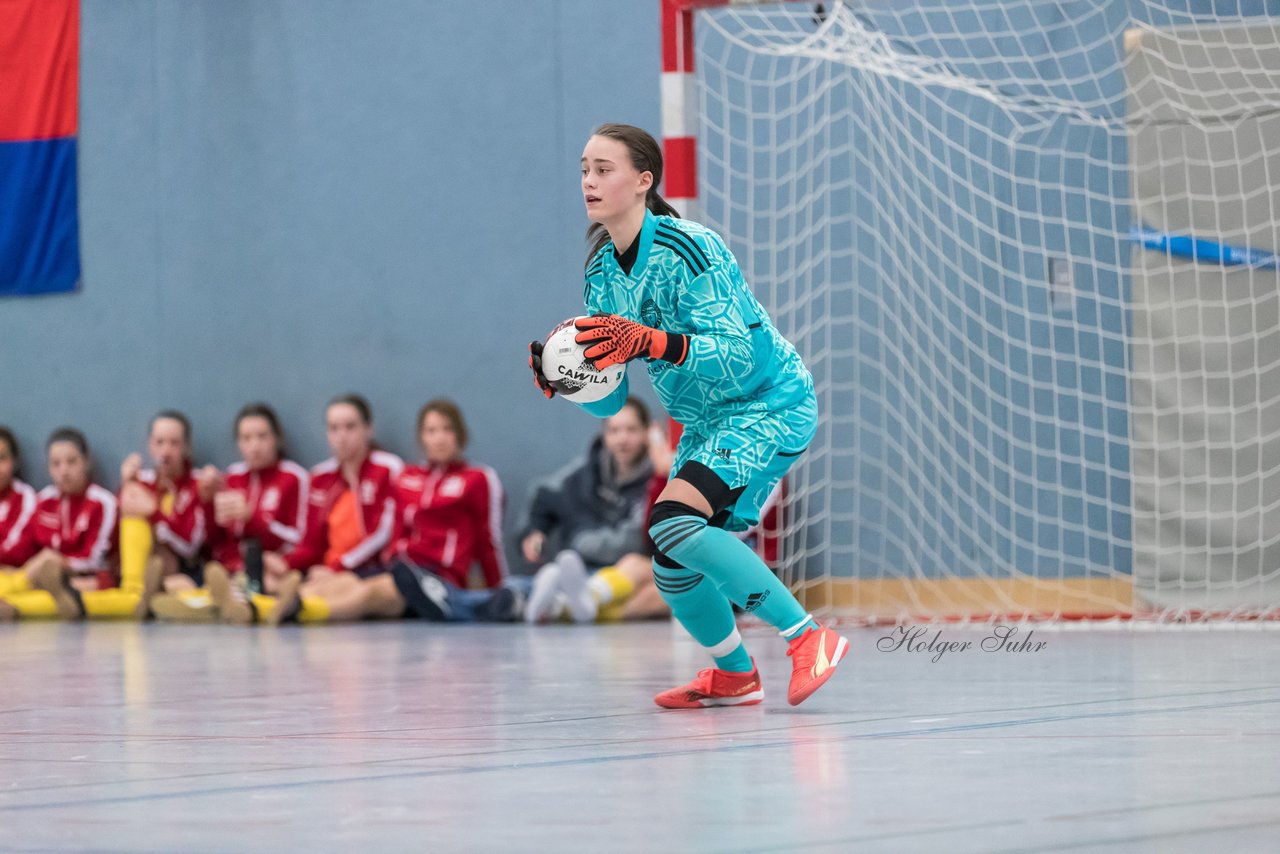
<point x="184" y="528"/>
<point x="17" y="506"/>
<point x="82" y="528"/>
<point x="450" y="517"/>
<point x="277" y="498"/>
<point x="375" y="497"/>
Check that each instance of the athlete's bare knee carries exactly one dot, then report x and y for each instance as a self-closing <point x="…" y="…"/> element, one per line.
<point x="381" y="598"/>
<point x="46" y="556"/>
<point x="646" y="604"/>
<point x="637" y="568"/>
<point x="178" y="582"/>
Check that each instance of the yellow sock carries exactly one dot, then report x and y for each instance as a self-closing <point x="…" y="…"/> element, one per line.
<point x="611" y="613"/>
<point x="262" y="605"/>
<point x="33" y="604"/>
<point x="619" y="586"/>
<point x="135" y="547"/>
<point x="612" y="588"/>
<point x="13" y="581"/>
<point x="113" y="604"/>
<point x="313" y="610"/>
<point x="185" y="606"/>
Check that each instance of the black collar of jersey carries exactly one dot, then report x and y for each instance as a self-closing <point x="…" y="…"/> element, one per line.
<point x="627" y="259"/>
<point x="633" y="261"/>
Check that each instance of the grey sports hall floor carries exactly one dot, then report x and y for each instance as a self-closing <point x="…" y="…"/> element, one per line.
<point x="400" y="736"/>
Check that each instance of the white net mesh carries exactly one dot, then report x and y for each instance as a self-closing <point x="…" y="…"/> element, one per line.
<point x="994" y="231"/>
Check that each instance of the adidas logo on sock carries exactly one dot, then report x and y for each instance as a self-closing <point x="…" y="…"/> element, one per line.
<point x="755" y="600"/>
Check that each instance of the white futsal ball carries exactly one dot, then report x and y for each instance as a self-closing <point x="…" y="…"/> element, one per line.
<point x="569" y="373"/>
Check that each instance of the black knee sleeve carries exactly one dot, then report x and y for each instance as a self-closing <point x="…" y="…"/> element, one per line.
<point x="665" y="511"/>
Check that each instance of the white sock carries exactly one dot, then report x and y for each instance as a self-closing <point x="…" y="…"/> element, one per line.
<point x="542" y="595"/>
<point x="600" y="589"/>
<point x="574" y="585"/>
<point x="794" y="632"/>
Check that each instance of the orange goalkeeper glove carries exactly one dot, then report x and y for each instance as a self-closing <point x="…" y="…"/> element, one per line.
<point x="611" y="340"/>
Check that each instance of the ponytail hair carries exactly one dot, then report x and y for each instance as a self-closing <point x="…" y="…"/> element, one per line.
<point x="646" y="156"/>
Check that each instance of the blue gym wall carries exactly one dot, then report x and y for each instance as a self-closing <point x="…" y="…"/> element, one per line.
<point x="288" y="199"/>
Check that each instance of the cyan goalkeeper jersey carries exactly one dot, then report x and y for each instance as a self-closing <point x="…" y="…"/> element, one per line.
<point x="685" y="280"/>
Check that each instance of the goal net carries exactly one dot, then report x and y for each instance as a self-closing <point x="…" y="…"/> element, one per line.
<point x="1027" y="250"/>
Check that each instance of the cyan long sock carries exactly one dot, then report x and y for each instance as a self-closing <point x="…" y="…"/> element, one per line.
<point x="736" y="570"/>
<point x="705" y="613"/>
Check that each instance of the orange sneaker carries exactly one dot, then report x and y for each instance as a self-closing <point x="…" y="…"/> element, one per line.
<point x="714" y="687"/>
<point x="814" y="656"/>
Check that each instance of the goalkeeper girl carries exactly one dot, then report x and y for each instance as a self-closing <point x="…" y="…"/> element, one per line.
<point x="668" y="291"/>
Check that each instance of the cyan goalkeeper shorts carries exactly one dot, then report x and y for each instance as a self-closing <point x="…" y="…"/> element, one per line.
<point x="750" y="452"/>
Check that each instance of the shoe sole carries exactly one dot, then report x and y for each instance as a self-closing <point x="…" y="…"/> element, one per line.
<point x="712" y="702"/>
<point x="286" y="599"/>
<point x="229" y="610"/>
<point x="751" y="699"/>
<point x="67" y="607"/>
<point x="152" y="583"/>
<point x="51" y="580"/>
<point x="175" y="609"/>
<point x="841" y="649"/>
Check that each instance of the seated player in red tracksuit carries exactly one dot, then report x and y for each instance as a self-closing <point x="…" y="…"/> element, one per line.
<point x="450" y="515"/>
<point x="67" y="545"/>
<point x="258" y="508"/>
<point x="164" y="521"/>
<point x="350" y="517"/>
<point x="448" y="519"/>
<point x="17" y="506"/>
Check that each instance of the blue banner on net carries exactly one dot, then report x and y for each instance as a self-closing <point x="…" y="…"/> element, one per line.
<point x="39" y="225"/>
<point x="1199" y="249"/>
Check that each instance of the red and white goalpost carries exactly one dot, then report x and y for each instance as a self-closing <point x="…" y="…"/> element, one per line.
<point x="679" y="104"/>
<point x="1029" y="252"/>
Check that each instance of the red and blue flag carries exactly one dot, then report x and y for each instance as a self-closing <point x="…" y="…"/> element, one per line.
<point x="39" y="93"/>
